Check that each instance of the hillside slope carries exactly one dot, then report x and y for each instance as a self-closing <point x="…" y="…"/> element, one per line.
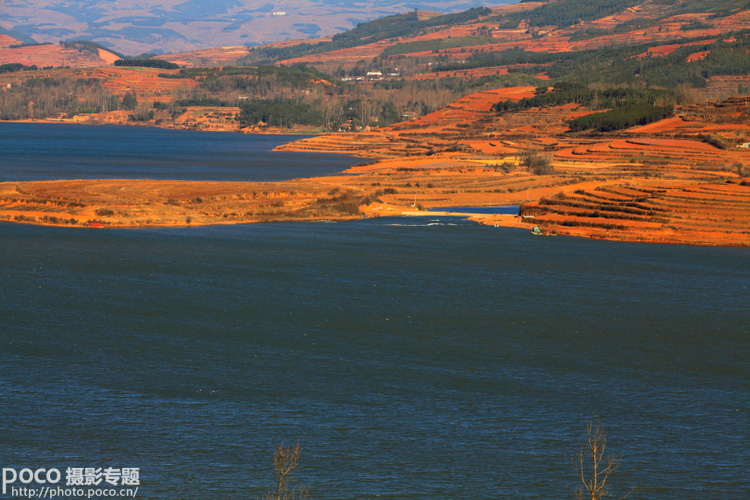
<point x="186" y="25"/>
<point x="619" y="42"/>
<point x="527" y="31"/>
<point x="73" y="55"/>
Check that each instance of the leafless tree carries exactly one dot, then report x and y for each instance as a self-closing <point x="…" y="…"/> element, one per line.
<point x="285" y="460"/>
<point x="366" y="111"/>
<point x="595" y="465"/>
<point x="333" y="112"/>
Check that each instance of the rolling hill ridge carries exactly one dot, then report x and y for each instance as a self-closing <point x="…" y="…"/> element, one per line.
<point x="182" y="25"/>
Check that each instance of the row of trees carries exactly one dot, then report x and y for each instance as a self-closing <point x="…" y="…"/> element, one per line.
<point x="275" y="96"/>
<point x="15" y="67"/>
<point x="43" y="97"/>
<point x="331" y="114"/>
<point x="146" y="63"/>
<point x="333" y="107"/>
<point x="280" y="113"/>
<point x="265" y="81"/>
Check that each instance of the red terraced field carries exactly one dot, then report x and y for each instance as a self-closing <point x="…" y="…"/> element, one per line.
<point x="597" y="189"/>
<point x="706" y="214"/>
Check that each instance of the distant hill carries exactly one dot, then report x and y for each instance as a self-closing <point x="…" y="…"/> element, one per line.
<point x="182" y="25"/>
<point x="695" y="44"/>
<point x="665" y="43"/>
<point x="74" y="54"/>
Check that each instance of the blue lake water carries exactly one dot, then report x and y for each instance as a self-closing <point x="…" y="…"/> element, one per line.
<point x="32" y="151"/>
<point x="422" y="358"/>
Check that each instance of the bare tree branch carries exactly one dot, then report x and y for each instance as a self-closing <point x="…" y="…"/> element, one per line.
<point x="594" y="465"/>
<point x="285" y="460"/>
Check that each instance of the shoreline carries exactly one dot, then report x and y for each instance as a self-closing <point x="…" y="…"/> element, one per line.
<point x="141" y="203"/>
<point x="236" y="130"/>
<point x="416" y="185"/>
<point x="507" y="221"/>
<point x="182" y="215"/>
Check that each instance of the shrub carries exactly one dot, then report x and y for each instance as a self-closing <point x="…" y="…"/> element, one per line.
<point x="715" y="140"/>
<point x="129" y="101"/>
<point x="537" y="163"/>
<point x="285" y="461"/>
<point x="142" y="116"/>
<point x="505" y="166"/>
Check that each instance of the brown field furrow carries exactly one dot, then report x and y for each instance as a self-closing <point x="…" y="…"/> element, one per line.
<point x="630" y="193"/>
<point x="699" y="217"/>
<point x="702" y="226"/>
<point x="730" y="188"/>
<point x="599" y="211"/>
<point x="631" y="207"/>
<point x="671" y="143"/>
<point x="676" y="206"/>
<point x="643" y="204"/>
<point x="598" y="196"/>
<point x="699" y="193"/>
<point x="712" y="220"/>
